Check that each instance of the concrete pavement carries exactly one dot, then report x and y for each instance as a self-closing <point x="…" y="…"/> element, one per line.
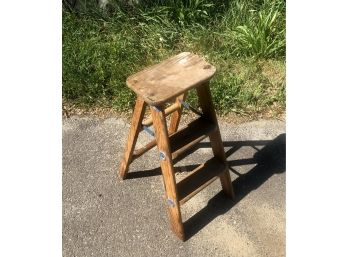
<point x="104" y="216"/>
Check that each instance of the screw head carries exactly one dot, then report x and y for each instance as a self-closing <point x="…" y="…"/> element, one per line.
<point x="162" y="156"/>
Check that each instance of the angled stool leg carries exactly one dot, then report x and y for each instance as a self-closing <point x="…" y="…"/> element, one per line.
<point x="208" y="110"/>
<point x="218" y="150"/>
<point x="161" y="133"/>
<point x="175" y="118"/>
<point x="138" y="115"/>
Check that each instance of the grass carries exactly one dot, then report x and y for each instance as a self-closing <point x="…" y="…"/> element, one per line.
<point x="245" y="40"/>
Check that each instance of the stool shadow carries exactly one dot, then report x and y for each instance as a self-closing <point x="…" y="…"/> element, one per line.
<point x="269" y="160"/>
<point x="157" y="171"/>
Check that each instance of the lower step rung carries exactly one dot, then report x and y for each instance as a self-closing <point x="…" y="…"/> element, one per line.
<point x="200" y="178"/>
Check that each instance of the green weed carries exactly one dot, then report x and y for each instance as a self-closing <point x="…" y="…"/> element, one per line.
<point x="261" y="37"/>
<point x="245" y="40"/>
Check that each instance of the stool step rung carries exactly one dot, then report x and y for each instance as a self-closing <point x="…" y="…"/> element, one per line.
<point x="139" y="152"/>
<point x="189" y="136"/>
<point x="168" y="83"/>
<point x="174" y="107"/>
<point x="200" y="178"/>
<point x="182" y="140"/>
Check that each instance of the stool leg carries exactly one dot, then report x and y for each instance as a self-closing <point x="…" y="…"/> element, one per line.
<point x="163" y="146"/>
<point x="175" y="118"/>
<point x="208" y="110"/>
<point x="218" y="150"/>
<point x="138" y="115"/>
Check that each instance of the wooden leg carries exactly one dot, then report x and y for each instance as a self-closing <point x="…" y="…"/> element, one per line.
<point x="175" y="118"/>
<point x="208" y="110"/>
<point x="163" y="146"/>
<point x="134" y="130"/>
<point x="218" y="150"/>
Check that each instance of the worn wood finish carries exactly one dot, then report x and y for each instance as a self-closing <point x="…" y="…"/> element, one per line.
<point x="173" y="108"/>
<point x="175" y="118"/>
<point x="176" y="110"/>
<point x="139" y="152"/>
<point x="200" y="178"/>
<point x="157" y="85"/>
<point x="208" y="110"/>
<point x="189" y="136"/>
<point x="173" y="127"/>
<point x="138" y="115"/>
<point x="218" y="150"/>
<point x="182" y="140"/>
<point x="167" y="168"/>
<point x="170" y="78"/>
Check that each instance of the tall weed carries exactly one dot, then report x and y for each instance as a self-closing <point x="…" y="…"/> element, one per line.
<point x="102" y="48"/>
<point x="262" y="34"/>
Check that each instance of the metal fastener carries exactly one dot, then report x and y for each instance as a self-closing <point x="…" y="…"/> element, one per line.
<point x="162" y="156"/>
<point x="171" y="202"/>
<point x="148" y="131"/>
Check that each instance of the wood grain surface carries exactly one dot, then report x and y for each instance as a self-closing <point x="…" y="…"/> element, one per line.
<point x="170" y="78"/>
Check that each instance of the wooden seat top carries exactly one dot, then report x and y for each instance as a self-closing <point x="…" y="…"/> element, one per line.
<point x="159" y="83"/>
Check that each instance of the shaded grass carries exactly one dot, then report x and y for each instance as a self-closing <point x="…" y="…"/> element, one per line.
<point x="101" y="51"/>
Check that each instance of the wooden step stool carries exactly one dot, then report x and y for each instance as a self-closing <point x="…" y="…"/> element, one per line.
<point x="168" y="82"/>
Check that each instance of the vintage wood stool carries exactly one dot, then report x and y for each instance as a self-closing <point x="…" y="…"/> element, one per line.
<point x="169" y="82"/>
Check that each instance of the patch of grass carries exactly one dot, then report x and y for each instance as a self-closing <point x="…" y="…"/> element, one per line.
<point x="263" y="35"/>
<point x="245" y="40"/>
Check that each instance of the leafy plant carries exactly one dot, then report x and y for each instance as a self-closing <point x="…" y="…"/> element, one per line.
<point x="102" y="48"/>
<point x="261" y="37"/>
